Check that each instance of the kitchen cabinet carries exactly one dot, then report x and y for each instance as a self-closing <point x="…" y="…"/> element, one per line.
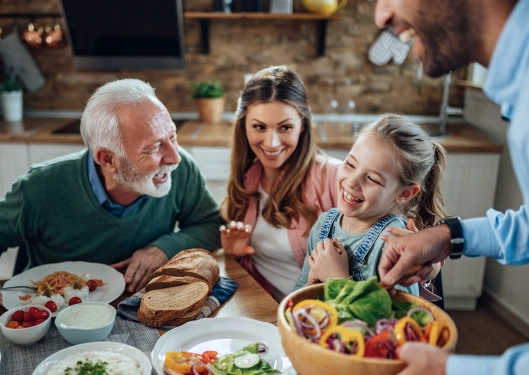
<point x="39" y="152"/>
<point x="214" y="163"/>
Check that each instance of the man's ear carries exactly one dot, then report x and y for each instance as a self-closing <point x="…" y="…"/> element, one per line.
<point x="407" y="194"/>
<point x="106" y="159"/>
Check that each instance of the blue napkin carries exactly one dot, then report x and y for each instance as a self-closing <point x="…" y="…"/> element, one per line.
<point x="222" y="290"/>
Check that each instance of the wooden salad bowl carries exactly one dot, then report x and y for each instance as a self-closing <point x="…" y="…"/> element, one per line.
<point x="311" y="359"/>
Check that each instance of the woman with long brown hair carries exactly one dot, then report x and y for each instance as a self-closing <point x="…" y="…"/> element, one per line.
<point x="280" y="181"/>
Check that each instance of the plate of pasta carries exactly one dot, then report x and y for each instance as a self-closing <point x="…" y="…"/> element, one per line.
<point x="62" y="284"/>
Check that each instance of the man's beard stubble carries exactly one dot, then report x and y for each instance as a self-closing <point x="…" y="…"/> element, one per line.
<point x="129" y="178"/>
<point x="450" y="36"/>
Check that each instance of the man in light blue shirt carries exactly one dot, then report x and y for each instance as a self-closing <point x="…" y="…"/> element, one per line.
<point x="451" y="34"/>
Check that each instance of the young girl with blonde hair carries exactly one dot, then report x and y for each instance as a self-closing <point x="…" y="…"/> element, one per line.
<point x="392" y="173"/>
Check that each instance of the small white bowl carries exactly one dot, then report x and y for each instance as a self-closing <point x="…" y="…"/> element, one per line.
<point x="86" y="322"/>
<point x="25" y="336"/>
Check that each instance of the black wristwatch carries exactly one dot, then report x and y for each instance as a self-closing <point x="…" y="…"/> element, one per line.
<point x="456" y="234"/>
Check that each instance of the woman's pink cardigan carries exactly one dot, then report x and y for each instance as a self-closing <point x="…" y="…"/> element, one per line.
<point x="321" y="191"/>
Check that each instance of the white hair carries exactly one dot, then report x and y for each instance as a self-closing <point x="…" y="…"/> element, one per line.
<point x="99" y="122"/>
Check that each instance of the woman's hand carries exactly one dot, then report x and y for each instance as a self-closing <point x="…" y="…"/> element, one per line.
<point x="329" y="259"/>
<point x="235" y="239"/>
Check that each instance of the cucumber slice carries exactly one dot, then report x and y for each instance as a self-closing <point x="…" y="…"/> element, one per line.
<point x="247" y="360"/>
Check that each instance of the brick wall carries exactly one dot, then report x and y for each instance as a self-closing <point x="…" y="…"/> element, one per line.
<point x="245" y="46"/>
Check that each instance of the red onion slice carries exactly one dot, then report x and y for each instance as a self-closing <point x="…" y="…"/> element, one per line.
<point x="421" y="308"/>
<point x="196" y="372"/>
<point x="311" y="319"/>
<point x="263" y="348"/>
<point x="384" y="325"/>
<point x="360" y="324"/>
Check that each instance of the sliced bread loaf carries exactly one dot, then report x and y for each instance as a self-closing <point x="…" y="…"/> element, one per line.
<point x="160" y="306"/>
<point x="198" y="264"/>
<point x="165" y="281"/>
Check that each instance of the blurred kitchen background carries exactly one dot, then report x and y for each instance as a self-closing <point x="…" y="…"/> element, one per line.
<point x="347" y="82"/>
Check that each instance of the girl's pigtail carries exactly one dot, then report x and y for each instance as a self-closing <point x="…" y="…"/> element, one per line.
<point x="430" y="205"/>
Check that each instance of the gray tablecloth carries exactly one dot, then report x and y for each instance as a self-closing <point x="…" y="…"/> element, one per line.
<point x="22" y="360"/>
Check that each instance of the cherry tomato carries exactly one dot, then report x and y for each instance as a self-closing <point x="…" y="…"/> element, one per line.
<point x="28" y="317"/>
<point x="27" y="324"/>
<point x="209" y="356"/>
<point x="34" y="312"/>
<point x="18" y="316"/>
<point x="13" y="324"/>
<point x="43" y="314"/>
<point x="74" y="301"/>
<point x="50" y="305"/>
<point x="92" y="285"/>
<point x="38" y="321"/>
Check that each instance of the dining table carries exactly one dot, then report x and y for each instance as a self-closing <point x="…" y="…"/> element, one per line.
<point x="250" y="300"/>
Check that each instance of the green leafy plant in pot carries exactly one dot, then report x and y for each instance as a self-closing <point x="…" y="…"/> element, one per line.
<point x="11" y="98"/>
<point x="209" y="97"/>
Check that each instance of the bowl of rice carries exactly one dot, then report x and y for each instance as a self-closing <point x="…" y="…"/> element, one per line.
<point x="109" y="357"/>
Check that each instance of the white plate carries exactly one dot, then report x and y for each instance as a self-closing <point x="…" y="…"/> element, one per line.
<point x="116" y="347"/>
<point x="223" y="335"/>
<point x="115" y="283"/>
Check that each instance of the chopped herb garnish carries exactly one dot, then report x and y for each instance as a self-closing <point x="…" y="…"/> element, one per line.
<point x="89" y="368"/>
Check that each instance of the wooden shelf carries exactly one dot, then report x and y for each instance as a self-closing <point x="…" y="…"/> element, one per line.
<point x="205" y="17"/>
<point x="469" y="84"/>
<point x="264" y="16"/>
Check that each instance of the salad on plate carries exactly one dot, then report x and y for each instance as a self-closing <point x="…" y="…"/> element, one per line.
<point x="246" y="361"/>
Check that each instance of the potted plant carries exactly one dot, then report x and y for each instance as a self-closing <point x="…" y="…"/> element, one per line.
<point x="11" y="98"/>
<point x="209" y="96"/>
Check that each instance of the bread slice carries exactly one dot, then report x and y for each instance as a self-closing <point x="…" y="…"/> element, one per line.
<point x="198" y="264"/>
<point x="160" y="306"/>
<point x="165" y="281"/>
<point x="178" y="321"/>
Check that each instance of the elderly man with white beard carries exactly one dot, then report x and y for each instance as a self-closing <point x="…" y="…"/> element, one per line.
<point x="119" y="201"/>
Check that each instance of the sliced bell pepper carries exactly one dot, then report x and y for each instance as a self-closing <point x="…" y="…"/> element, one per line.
<point x="346" y="336"/>
<point x="431" y="333"/>
<point x="400" y="328"/>
<point x="376" y="346"/>
<point x="333" y="313"/>
<point x="182" y="362"/>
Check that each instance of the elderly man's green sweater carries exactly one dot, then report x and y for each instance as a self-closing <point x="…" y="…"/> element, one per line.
<point x="54" y="212"/>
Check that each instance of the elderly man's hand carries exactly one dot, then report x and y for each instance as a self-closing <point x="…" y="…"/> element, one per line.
<point x="140" y="267"/>
<point x="422" y="359"/>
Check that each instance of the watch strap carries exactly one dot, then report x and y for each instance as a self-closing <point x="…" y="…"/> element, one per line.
<point x="457" y="242"/>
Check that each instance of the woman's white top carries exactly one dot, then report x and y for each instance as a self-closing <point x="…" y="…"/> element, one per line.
<point x="273" y="256"/>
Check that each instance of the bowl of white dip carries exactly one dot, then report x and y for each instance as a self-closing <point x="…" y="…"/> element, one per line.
<point x="86" y="322"/>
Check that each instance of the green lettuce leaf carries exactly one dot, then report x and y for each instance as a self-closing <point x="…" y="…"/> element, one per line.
<point x="364" y="300"/>
<point x="225" y="363"/>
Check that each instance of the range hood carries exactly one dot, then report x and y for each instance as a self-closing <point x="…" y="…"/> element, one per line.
<point x="125" y="34"/>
